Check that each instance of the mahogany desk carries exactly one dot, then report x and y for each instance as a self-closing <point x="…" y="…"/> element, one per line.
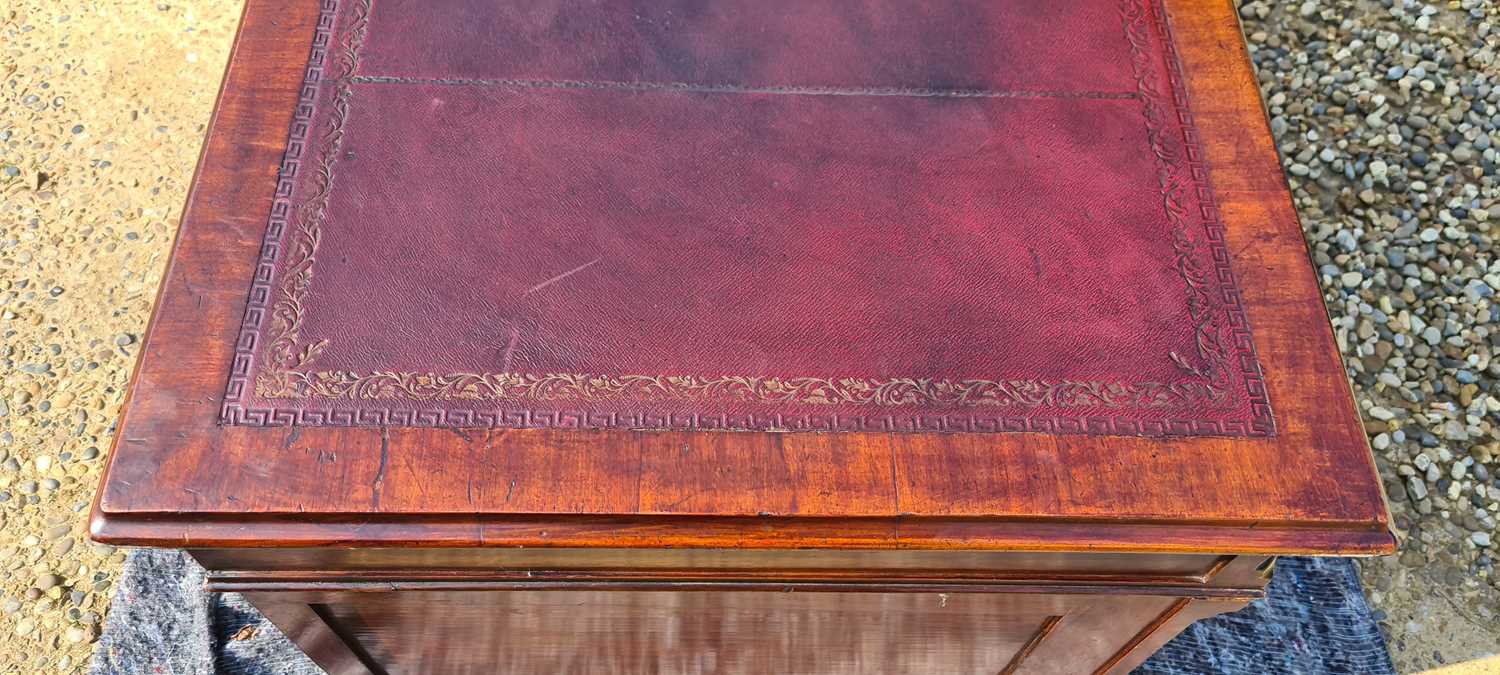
<point x="740" y="336"/>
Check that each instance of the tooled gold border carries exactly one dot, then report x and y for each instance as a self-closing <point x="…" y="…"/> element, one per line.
<point x="285" y="374"/>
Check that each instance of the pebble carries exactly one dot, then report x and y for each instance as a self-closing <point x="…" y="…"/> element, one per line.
<point x="1416" y="488"/>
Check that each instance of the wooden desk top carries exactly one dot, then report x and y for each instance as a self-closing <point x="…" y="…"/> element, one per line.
<point x="742" y="274"/>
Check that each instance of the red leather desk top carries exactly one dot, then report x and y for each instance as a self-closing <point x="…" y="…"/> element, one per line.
<point x="658" y="220"/>
<point x="746" y="214"/>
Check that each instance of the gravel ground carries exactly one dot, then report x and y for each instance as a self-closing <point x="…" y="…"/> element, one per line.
<point x="103" y="106"/>
<point x="1387" y="112"/>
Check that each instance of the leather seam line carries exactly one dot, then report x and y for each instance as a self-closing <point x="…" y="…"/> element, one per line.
<point x="783" y="90"/>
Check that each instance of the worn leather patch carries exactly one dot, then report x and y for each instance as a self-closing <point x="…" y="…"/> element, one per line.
<point x="791" y="215"/>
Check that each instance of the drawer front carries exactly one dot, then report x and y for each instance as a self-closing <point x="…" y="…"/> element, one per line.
<point x="730" y="611"/>
<point x="703" y="631"/>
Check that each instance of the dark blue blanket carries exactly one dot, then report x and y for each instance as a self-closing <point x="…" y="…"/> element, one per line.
<point x="1314" y="619"/>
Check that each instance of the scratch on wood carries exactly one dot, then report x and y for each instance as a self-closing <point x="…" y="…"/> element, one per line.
<point x="693" y="494"/>
<point x="895" y="482"/>
<point x="469" y="469"/>
<point x="786" y="466"/>
<point x="385" y="458"/>
<point x="198" y="299"/>
<point x="640" y="470"/>
<point x="562" y="276"/>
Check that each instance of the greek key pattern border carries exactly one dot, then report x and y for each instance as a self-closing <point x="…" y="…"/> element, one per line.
<point x="261" y="292"/>
<point x="1232" y="342"/>
<point x="582" y="419"/>
<point x="1237" y="332"/>
<point x="282" y="375"/>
